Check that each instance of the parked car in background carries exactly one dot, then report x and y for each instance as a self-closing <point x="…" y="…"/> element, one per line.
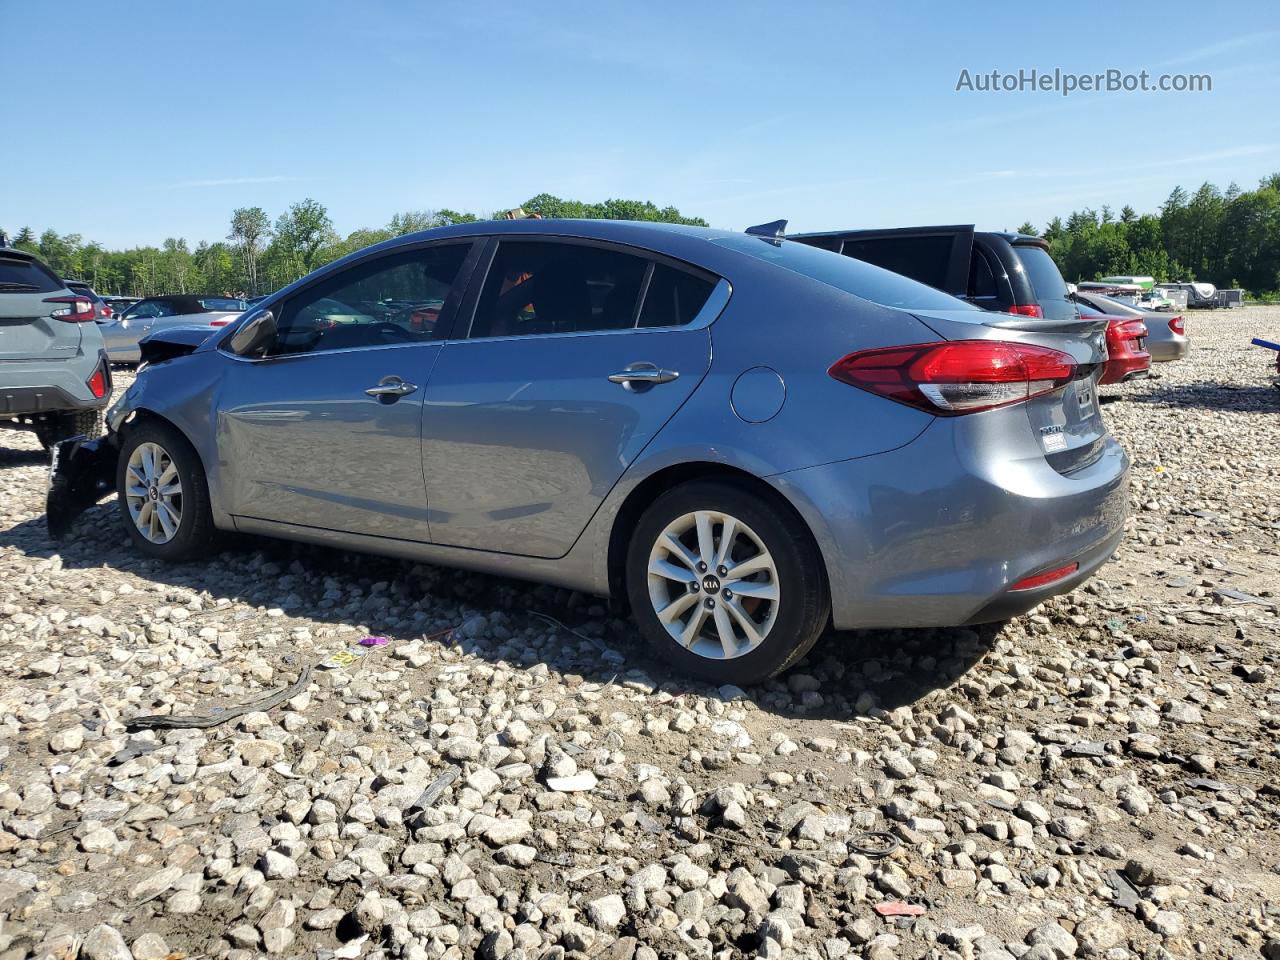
<point x="102" y="310"/>
<point x="120" y="304"/>
<point x="152" y="314"/>
<point x="1167" y="337"/>
<point x="858" y="449"/>
<point x="1005" y="272"/>
<point x="54" y="376"/>
<point x="1127" y="357"/>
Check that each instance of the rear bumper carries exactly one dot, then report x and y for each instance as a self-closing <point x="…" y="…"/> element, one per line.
<point x="1173" y="348"/>
<point x="1125" y="367"/>
<point x="929" y="535"/>
<point x="82" y="473"/>
<point x="61" y="386"/>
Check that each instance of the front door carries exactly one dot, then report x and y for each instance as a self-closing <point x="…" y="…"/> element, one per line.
<point x="324" y="430"/>
<point x="576" y="358"/>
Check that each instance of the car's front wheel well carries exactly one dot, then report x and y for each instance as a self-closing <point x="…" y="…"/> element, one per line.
<point x="653" y="486"/>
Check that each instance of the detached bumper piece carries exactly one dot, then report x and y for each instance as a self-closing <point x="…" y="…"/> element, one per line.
<point x="83" y="472"/>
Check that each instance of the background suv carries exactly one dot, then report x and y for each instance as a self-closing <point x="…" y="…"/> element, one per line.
<point x="1006" y="272"/>
<point x="54" y="377"/>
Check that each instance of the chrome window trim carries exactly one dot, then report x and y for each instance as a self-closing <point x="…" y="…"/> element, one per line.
<point x="717" y="300"/>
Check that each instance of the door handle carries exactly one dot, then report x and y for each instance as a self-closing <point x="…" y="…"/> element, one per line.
<point x="643" y="373"/>
<point x="392" y="387"/>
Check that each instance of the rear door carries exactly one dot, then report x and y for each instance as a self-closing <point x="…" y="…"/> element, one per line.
<point x="27" y="331"/>
<point x="576" y="356"/>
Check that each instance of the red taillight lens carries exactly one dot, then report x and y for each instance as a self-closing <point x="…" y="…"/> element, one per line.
<point x="1178" y="326"/>
<point x="71" y="309"/>
<point x="1027" y="310"/>
<point x="1046" y="578"/>
<point x="218" y="323"/>
<point x="98" y="383"/>
<point x="105" y="312"/>
<point x="964" y="376"/>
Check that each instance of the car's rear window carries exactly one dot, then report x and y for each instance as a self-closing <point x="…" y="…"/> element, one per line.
<point x="20" y="275"/>
<point x="1046" y="279"/>
<point x="845" y="273"/>
<point x="222" y="303"/>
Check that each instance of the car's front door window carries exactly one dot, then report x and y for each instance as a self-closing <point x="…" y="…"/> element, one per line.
<point x="387" y="301"/>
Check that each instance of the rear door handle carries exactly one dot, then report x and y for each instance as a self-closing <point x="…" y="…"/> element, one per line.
<point x="392" y="387"/>
<point x="643" y="373"/>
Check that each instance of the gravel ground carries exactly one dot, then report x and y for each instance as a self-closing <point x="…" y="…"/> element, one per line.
<point x="1096" y="779"/>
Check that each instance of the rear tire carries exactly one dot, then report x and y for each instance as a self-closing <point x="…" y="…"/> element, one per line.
<point x="717" y="558"/>
<point x="63" y="426"/>
<point x="163" y="494"/>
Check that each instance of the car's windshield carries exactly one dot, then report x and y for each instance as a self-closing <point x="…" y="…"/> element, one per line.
<point x="845" y="273"/>
<point x="223" y="303"/>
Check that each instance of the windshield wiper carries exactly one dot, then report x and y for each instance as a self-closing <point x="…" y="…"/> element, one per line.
<point x="12" y="287"/>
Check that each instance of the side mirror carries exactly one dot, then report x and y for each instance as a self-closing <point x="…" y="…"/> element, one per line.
<point x="255" y="337"/>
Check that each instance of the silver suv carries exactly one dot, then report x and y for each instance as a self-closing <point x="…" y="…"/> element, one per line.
<point x="54" y="375"/>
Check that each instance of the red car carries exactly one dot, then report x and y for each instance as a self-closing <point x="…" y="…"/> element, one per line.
<point x="1127" y="357"/>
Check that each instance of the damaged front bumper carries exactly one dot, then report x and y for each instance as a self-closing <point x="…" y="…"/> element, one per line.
<point x="83" y="471"/>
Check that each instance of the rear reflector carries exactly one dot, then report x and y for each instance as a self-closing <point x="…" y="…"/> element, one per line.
<point x="1026" y="310"/>
<point x="71" y="309"/>
<point x="98" y="383"/>
<point x="1046" y="578"/>
<point x="962" y="376"/>
<point x="1178" y="326"/>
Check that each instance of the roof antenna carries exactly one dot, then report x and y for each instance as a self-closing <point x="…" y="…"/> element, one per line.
<point x="775" y="231"/>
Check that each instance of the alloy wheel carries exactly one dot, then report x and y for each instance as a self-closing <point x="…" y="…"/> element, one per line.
<point x="153" y="492"/>
<point x="713" y="584"/>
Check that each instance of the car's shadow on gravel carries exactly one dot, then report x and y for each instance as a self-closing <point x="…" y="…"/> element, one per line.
<point x="847" y="674"/>
<point x="1245" y="398"/>
<point x="15" y="457"/>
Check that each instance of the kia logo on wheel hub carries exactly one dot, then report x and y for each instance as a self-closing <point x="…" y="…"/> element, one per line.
<point x="711" y="584"/>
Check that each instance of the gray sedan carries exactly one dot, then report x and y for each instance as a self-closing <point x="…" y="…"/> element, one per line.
<point x="122" y="333"/>
<point x="1167" y="337"/>
<point x="741" y="438"/>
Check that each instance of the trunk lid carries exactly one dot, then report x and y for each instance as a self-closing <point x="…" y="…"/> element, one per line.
<point x="27" y="331"/>
<point x="1067" y="422"/>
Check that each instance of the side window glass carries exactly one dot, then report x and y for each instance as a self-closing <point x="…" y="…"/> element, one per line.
<point x="542" y="287"/>
<point x="673" y="298"/>
<point x="390" y="300"/>
<point x="982" y="282"/>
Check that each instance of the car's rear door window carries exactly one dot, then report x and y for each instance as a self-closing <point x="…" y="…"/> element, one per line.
<point x="673" y="297"/>
<point x="543" y="287"/>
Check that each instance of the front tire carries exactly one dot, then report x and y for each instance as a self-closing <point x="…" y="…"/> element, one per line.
<point x="163" y="494"/>
<point x="724" y="584"/>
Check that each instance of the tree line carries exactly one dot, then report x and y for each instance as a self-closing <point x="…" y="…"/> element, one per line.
<point x="1230" y="239"/>
<point x="260" y="255"/>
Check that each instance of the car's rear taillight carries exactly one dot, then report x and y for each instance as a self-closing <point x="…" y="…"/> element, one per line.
<point x="1178" y="326"/>
<point x="105" y="312"/>
<point x="1026" y="310"/>
<point x="218" y="323"/>
<point x="71" y="309"/>
<point x="963" y="376"/>
<point x="98" y="383"/>
<point x="1131" y="330"/>
<point x="1046" y="578"/>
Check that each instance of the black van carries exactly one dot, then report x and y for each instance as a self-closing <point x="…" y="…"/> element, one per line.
<point x="1008" y="272"/>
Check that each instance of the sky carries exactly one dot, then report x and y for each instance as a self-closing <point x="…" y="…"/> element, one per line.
<point x="153" y="120"/>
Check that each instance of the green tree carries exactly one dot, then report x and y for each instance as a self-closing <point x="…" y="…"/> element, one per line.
<point x="302" y="231"/>
<point x="250" y="230"/>
<point x="1028" y="229"/>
